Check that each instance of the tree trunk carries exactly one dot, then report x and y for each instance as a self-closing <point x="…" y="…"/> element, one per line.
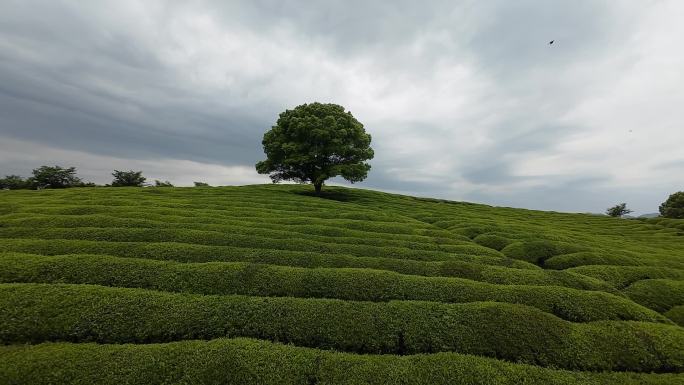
<point x="318" y="186"/>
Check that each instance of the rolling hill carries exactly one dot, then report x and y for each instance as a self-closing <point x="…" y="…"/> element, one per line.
<point x="270" y="284"/>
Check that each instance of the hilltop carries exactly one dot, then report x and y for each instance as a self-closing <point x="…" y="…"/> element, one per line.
<point x="271" y="284"/>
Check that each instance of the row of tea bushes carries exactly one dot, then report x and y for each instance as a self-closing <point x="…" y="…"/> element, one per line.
<point x="36" y="313"/>
<point x="350" y="284"/>
<point x="243" y="361"/>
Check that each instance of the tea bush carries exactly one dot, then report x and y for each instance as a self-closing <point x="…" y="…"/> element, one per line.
<point x="242" y="361"/>
<point x="40" y="313"/>
<point x="447" y="292"/>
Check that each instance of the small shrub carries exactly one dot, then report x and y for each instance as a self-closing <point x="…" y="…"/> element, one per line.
<point x="566" y="261"/>
<point x="660" y="295"/>
<point x="623" y="276"/>
<point x="676" y="314"/>
<point x="158" y="183"/>
<point x="538" y="251"/>
<point x="492" y="241"/>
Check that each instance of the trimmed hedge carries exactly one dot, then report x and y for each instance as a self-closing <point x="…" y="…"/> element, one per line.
<point x="351" y="284"/>
<point x="355" y="228"/>
<point x="243" y="361"/>
<point x="81" y="313"/>
<point x="538" y="251"/>
<point x="493" y="241"/>
<point x="660" y="295"/>
<point x="21" y="265"/>
<point x="676" y="314"/>
<point x="215" y="238"/>
<point x="623" y="276"/>
<point x="184" y="252"/>
<point x="329" y="231"/>
<point x="314" y="233"/>
<point x="567" y="261"/>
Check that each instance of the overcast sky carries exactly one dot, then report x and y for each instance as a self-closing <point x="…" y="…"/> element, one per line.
<point x="464" y="100"/>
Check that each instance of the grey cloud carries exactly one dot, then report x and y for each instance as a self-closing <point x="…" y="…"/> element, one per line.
<point x="120" y="79"/>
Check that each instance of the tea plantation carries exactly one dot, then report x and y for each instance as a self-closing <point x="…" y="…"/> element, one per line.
<point x="269" y="284"/>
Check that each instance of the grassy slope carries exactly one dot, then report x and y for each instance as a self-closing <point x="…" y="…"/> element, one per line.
<point x="467" y="292"/>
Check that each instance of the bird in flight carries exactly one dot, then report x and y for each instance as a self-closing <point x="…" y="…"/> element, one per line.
<point x="551" y="42"/>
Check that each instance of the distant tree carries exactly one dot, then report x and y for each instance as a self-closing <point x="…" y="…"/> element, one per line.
<point x="128" y="178"/>
<point x="55" y="177"/>
<point x="673" y="207"/>
<point x="618" y="210"/>
<point x="14" y="182"/>
<point x="315" y="142"/>
<point x="201" y="184"/>
<point x="158" y="183"/>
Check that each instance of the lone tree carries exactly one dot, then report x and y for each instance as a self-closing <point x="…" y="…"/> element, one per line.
<point x="128" y="178"/>
<point x="54" y="177"/>
<point x="618" y="210"/>
<point x="315" y="142"/>
<point x="673" y="207"/>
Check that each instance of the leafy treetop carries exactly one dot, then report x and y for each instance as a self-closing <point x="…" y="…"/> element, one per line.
<point x="618" y="210"/>
<point x="315" y="142"/>
<point x="54" y="177"/>
<point x="128" y="178"/>
<point x="673" y="207"/>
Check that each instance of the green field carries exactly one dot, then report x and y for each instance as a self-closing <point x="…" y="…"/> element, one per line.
<point x="270" y="284"/>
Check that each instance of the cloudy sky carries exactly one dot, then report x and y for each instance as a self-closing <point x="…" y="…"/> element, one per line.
<point x="465" y="100"/>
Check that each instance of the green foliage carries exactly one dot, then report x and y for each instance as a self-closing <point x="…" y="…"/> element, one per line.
<point x="623" y="276"/>
<point x="658" y="294"/>
<point x="348" y="284"/>
<point x="347" y="273"/>
<point x="215" y="238"/>
<point x="676" y="314"/>
<point x="14" y="182"/>
<point x="583" y="258"/>
<point x="55" y="177"/>
<point x="201" y="184"/>
<point x="128" y="179"/>
<point x="244" y="361"/>
<point x="506" y="331"/>
<point x="618" y="210"/>
<point x="492" y="241"/>
<point x="205" y="253"/>
<point x="673" y="207"/>
<point x="538" y="251"/>
<point x="158" y="183"/>
<point x="315" y="142"/>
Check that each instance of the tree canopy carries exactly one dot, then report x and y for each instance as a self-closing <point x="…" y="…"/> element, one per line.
<point x="14" y="182"/>
<point x="673" y="207"/>
<point x="618" y="210"/>
<point x="54" y="177"/>
<point x="128" y="178"/>
<point x="315" y="142"/>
